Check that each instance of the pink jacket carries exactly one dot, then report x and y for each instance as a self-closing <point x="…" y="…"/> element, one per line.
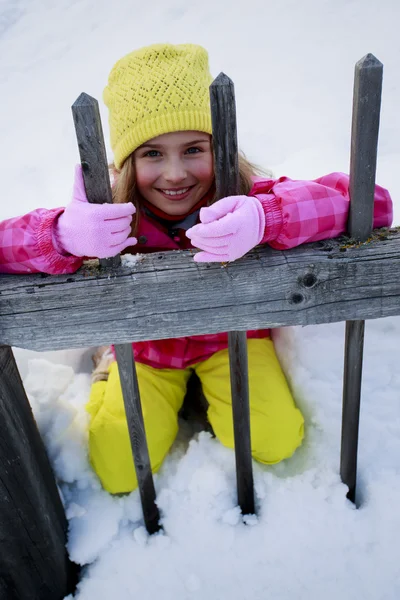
<point x="296" y="212"/>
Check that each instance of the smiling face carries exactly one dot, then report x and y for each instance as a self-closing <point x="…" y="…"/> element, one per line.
<point x="175" y="170"/>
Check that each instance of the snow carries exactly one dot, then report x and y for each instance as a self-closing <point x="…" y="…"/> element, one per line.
<point x="131" y="260"/>
<point x="292" y="64"/>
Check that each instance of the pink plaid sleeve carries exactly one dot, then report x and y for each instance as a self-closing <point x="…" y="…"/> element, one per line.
<point x="26" y="245"/>
<point x="307" y="211"/>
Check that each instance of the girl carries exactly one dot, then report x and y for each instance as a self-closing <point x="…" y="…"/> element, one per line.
<point x="160" y="125"/>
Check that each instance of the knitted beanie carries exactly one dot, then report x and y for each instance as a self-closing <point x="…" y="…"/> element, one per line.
<point x="157" y="89"/>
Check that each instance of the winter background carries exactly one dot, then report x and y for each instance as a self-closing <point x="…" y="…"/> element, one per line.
<point x="292" y="64"/>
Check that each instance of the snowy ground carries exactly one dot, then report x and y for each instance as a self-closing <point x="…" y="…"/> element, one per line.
<point x="292" y="64"/>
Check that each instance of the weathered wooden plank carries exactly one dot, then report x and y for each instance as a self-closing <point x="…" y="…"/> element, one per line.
<point x="34" y="563"/>
<point x="92" y="150"/>
<point x="89" y="133"/>
<point x="134" y="415"/>
<point x="225" y="145"/>
<point x="226" y="167"/>
<point x="364" y="144"/>
<point x="241" y="420"/>
<point x="167" y="295"/>
<point x="352" y="374"/>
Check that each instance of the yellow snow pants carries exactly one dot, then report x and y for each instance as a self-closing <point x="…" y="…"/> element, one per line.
<point x="277" y="426"/>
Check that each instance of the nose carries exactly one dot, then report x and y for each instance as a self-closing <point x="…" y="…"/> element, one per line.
<point x="175" y="171"/>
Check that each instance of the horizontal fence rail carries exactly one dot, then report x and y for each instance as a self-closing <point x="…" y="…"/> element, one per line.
<point x="169" y="295"/>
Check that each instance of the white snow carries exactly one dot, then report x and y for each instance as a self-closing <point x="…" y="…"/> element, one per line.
<point x="292" y="64"/>
<point x="131" y="260"/>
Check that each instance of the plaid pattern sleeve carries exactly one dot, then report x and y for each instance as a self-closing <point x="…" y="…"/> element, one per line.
<point x="26" y="245"/>
<point x="307" y="211"/>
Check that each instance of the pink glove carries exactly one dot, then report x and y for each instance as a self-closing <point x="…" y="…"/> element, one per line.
<point x="228" y="229"/>
<point x="96" y="230"/>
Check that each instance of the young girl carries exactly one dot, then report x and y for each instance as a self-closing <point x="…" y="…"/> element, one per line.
<point x="160" y="125"/>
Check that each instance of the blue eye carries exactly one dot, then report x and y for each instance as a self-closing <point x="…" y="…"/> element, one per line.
<point x="193" y="150"/>
<point x="152" y="153"/>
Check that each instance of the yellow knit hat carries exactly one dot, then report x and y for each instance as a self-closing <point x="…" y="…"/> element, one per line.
<point x="157" y="89"/>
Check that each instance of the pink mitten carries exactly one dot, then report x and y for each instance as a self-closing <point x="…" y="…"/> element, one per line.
<point x="95" y="230"/>
<point x="228" y="229"/>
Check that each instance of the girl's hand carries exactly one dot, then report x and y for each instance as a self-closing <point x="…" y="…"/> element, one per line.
<point x="228" y="229"/>
<point x="94" y="230"/>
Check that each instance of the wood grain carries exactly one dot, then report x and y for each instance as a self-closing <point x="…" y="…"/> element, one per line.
<point x="34" y="563"/>
<point x="169" y="295"/>
<point x="226" y="168"/>
<point x="364" y="145"/>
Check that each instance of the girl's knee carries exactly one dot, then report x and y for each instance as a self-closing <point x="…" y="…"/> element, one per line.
<point x="110" y="449"/>
<point x="272" y="443"/>
<point x="96" y="398"/>
<point x="272" y="440"/>
<point x="111" y="455"/>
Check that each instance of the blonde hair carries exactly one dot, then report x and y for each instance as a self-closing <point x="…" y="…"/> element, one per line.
<point x="124" y="186"/>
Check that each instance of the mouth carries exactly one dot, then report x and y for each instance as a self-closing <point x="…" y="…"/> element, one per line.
<point x="176" y="193"/>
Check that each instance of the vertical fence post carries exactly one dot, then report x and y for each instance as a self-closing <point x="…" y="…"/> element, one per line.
<point x="93" y="156"/>
<point x="137" y="433"/>
<point x="223" y="113"/>
<point x="34" y="562"/>
<point x="364" y="142"/>
<point x="92" y="151"/>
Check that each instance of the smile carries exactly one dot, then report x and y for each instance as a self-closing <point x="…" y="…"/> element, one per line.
<point x="176" y="194"/>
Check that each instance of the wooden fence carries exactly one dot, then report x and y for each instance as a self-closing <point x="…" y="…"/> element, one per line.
<point x="169" y="295"/>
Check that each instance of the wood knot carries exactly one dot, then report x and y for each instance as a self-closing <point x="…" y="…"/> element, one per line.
<point x="309" y="280"/>
<point x="296" y="298"/>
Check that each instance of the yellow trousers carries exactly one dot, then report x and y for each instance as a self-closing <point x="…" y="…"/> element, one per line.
<point x="277" y="426"/>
